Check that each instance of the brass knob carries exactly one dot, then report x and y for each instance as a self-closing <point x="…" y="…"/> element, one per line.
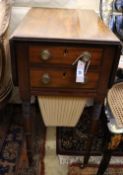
<point x="46" y="78"/>
<point x="45" y="55"/>
<point x="86" y="57"/>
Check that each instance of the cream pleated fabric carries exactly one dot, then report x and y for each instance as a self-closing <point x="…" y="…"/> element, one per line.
<point x="61" y="111"/>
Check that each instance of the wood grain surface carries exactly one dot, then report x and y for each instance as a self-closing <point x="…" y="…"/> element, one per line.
<point x="64" y="24"/>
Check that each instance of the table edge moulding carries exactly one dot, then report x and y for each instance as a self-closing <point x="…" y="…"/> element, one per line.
<point x="59" y="30"/>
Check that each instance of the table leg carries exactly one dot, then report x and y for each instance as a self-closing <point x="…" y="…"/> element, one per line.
<point x="97" y="108"/>
<point x="26" y="110"/>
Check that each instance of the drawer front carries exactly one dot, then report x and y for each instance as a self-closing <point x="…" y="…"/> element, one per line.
<point x="62" y="55"/>
<point x="64" y="78"/>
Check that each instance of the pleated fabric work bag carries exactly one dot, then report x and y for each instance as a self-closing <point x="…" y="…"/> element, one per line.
<point x="60" y="110"/>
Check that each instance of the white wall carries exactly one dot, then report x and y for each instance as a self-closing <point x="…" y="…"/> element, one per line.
<point x="88" y="4"/>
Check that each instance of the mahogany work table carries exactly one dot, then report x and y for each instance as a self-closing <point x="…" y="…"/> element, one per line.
<point x="44" y="47"/>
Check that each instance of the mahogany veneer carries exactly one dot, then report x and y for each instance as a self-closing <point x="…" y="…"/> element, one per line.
<point x="63" y="35"/>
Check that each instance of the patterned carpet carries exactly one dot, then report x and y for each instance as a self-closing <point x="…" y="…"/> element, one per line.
<point x="91" y="170"/>
<point x="52" y="166"/>
<point x="72" y="141"/>
<point x="11" y="137"/>
<point x="13" y="158"/>
<point x="13" y="155"/>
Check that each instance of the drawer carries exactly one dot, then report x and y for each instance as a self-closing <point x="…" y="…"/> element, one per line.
<point x="61" y="78"/>
<point x="62" y="54"/>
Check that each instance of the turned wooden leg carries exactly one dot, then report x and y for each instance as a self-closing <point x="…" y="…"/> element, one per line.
<point x="113" y="144"/>
<point x="93" y="130"/>
<point x="26" y="110"/>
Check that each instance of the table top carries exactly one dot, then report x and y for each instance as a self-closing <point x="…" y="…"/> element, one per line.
<point x="64" y="24"/>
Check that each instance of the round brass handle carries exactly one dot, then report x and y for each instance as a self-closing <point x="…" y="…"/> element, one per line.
<point x="46" y="78"/>
<point x="45" y="55"/>
<point x="86" y="57"/>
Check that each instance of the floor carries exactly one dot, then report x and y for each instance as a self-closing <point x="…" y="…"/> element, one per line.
<point x="41" y="137"/>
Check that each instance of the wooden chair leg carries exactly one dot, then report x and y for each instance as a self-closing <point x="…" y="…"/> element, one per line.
<point x="105" y="162"/>
<point x="114" y="142"/>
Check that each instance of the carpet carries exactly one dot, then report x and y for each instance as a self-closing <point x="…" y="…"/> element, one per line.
<point x="13" y="154"/>
<point x="13" y="157"/>
<point x="52" y="166"/>
<point x="72" y="140"/>
<point x="92" y="170"/>
<point x="39" y="134"/>
<point x="11" y="136"/>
